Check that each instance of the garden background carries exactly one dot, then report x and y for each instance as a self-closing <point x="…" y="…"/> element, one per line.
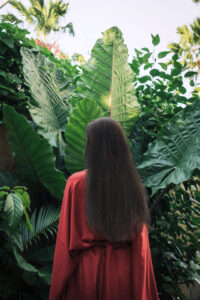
<point x="47" y="98"/>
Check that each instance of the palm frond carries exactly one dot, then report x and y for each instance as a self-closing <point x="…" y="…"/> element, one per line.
<point x="70" y="27"/>
<point x="22" y="9"/>
<point x="44" y="223"/>
<point x="10" y="18"/>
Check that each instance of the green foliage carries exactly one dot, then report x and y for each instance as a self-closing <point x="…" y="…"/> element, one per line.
<point x="44" y="224"/>
<point x="155" y="39"/>
<point x="50" y="90"/>
<point x="164" y="129"/>
<point x="70" y="71"/>
<point x="13" y="90"/>
<point x="107" y="79"/>
<point x="176" y="231"/>
<point x="189" y="45"/>
<point x="164" y="126"/>
<point x="174" y="155"/>
<point x="161" y="94"/>
<point x="17" y="254"/>
<point x="34" y="156"/>
<point x="45" y="16"/>
<point x="75" y="135"/>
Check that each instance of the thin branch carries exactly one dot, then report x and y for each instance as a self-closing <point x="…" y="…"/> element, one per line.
<point x="4" y="3"/>
<point x="159" y="198"/>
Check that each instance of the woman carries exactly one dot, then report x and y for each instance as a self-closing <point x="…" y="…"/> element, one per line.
<point x="102" y="248"/>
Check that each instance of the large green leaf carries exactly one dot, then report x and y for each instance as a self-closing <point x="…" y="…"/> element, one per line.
<point x="50" y="90"/>
<point x="85" y="111"/>
<point x="33" y="155"/>
<point x="107" y="79"/>
<point x="176" y="153"/>
<point x="13" y="208"/>
<point x="44" y="273"/>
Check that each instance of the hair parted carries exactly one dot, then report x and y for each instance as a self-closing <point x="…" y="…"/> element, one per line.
<point x="116" y="202"/>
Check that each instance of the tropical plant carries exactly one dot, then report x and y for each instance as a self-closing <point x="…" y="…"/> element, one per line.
<point x="44" y="16"/>
<point x="161" y="91"/>
<point x="151" y="103"/>
<point x="188" y="46"/>
<point x="51" y="108"/>
<point x="18" y="232"/>
<point x="13" y="91"/>
<point x="107" y="79"/>
<point x="165" y="128"/>
<point x="33" y="155"/>
<point x="176" y="230"/>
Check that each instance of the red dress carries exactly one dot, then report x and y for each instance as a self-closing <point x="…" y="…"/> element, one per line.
<point x="87" y="267"/>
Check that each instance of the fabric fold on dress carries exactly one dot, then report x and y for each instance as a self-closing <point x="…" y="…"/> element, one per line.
<point x="88" y="267"/>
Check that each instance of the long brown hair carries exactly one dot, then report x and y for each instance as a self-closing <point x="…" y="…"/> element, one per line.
<point x="116" y="202"/>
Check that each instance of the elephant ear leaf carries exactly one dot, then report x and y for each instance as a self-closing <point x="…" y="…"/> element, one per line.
<point x="107" y="79"/>
<point x="85" y="111"/>
<point x="176" y="153"/>
<point x="50" y="90"/>
<point x="33" y="155"/>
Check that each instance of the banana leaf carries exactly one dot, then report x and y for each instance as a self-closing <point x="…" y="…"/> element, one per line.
<point x="107" y="79"/>
<point x="85" y="111"/>
<point x="175" y="154"/>
<point x="50" y="90"/>
<point x="33" y="155"/>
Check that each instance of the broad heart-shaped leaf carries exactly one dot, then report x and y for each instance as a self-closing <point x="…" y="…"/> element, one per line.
<point x="85" y="111"/>
<point x="107" y="79"/>
<point x="50" y="90"/>
<point x="33" y="155"/>
<point x="14" y="209"/>
<point x="176" y="153"/>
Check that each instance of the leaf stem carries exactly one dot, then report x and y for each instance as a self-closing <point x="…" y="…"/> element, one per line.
<point x="159" y="197"/>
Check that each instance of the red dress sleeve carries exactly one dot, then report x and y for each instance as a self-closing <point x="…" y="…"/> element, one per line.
<point x="144" y="284"/>
<point x="64" y="261"/>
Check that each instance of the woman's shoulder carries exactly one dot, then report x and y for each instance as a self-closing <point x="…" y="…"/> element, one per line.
<point x="77" y="177"/>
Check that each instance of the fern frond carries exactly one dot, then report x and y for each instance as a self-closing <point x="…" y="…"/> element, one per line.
<point x="44" y="223"/>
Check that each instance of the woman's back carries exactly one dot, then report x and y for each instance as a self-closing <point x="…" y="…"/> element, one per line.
<point x="87" y="266"/>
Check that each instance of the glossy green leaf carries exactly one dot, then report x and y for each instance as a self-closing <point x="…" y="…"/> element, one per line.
<point x="176" y="153"/>
<point x="107" y="79"/>
<point x="33" y="155"/>
<point x="84" y="113"/>
<point x="178" y="65"/>
<point x="155" y="39"/>
<point x="175" y="72"/>
<point x="13" y="209"/>
<point x="50" y="90"/>
<point x="146" y="49"/>
<point x="190" y="74"/>
<point x="192" y="82"/>
<point x="163" y="65"/>
<point x="182" y="90"/>
<point x="22" y="263"/>
<point x="154" y="72"/>
<point x="144" y="79"/>
<point x="163" y="54"/>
